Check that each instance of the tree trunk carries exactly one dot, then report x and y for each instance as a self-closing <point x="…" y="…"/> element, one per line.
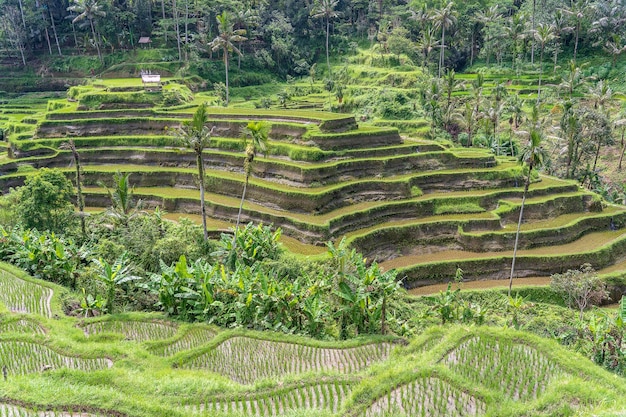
<point x="595" y="160"/>
<point x="79" y="191"/>
<point x="443" y="46"/>
<point x="177" y="27"/>
<point x="164" y="29"/>
<point x="532" y="47"/>
<point x="519" y="225"/>
<point x="22" y="13"/>
<point x="556" y="56"/>
<point x="186" y="29"/>
<point x="383" y="329"/>
<point x="95" y="38"/>
<point x="200" y="164"/>
<point x="243" y="197"/>
<point x="54" y="31"/>
<point x="576" y="42"/>
<point x="327" y="35"/>
<point x="621" y="155"/>
<point x="226" y="66"/>
<point x="540" y="74"/>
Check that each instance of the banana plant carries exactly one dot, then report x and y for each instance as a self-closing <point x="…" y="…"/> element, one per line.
<point x="113" y="275"/>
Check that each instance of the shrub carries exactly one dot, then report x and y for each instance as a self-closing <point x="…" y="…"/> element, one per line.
<point x="580" y="288"/>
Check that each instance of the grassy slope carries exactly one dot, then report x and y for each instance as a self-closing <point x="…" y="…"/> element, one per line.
<point x="142" y="384"/>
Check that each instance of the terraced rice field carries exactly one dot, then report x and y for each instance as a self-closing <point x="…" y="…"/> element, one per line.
<point x="23" y="358"/>
<point x="8" y="410"/>
<point x="325" y="396"/>
<point x="138" y="331"/>
<point x="23" y="296"/>
<point x="517" y="370"/>
<point x="246" y="360"/>
<point x="21" y="326"/>
<point x="426" y="397"/>
<point x="190" y="340"/>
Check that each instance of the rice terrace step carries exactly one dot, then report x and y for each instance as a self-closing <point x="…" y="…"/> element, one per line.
<point x="422" y="207"/>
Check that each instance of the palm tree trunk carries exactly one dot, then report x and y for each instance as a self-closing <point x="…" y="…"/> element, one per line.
<point x="576" y="42"/>
<point x="200" y="164"/>
<point x="540" y="73"/>
<point x="226" y="66"/>
<point x="79" y="192"/>
<point x="327" y="35"/>
<point x="95" y="38"/>
<point x="163" y="13"/>
<point x="532" y="47"/>
<point x="595" y="160"/>
<point x="177" y="26"/>
<point x="22" y="13"/>
<point x="519" y="225"/>
<point x="186" y="29"/>
<point x="556" y="55"/>
<point x="621" y="155"/>
<point x="443" y="46"/>
<point x="243" y="197"/>
<point x="54" y="31"/>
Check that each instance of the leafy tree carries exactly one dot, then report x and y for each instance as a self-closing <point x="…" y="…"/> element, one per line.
<point x="533" y="155"/>
<point x="580" y="288"/>
<point x="326" y="9"/>
<point x="45" y="201"/>
<point x="90" y="10"/>
<point x="196" y="136"/>
<point x="226" y="40"/>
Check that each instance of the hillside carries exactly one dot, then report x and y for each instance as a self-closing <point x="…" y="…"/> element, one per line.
<point x="144" y="365"/>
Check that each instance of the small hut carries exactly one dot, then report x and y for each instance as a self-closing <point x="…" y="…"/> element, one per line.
<point x="151" y="82"/>
<point x="144" y="40"/>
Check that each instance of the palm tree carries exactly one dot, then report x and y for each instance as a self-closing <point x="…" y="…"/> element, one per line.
<point x="491" y="15"/>
<point x="560" y="27"/>
<point x="258" y="132"/>
<point x="444" y="18"/>
<point x="543" y="35"/>
<point x="122" y="208"/>
<point x="326" y="9"/>
<point x="515" y="31"/>
<point x="90" y="10"/>
<point x="80" y="202"/>
<point x="532" y="155"/>
<point x="615" y="47"/>
<point x="577" y="11"/>
<point x="195" y="135"/>
<point x="226" y="40"/>
<point x="427" y="43"/>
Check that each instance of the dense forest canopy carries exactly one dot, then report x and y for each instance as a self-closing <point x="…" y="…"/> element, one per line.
<point x="288" y="36"/>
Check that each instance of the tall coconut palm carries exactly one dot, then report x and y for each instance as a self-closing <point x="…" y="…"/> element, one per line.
<point x="491" y="15"/>
<point x="80" y="201"/>
<point x="90" y="10"/>
<point x="620" y="124"/>
<point x="533" y="156"/>
<point x="427" y="43"/>
<point x="258" y="133"/>
<point x="195" y="135"/>
<point x="544" y="34"/>
<point x="226" y="40"/>
<point x="444" y="18"/>
<point x="577" y="11"/>
<point x="560" y="27"/>
<point x="326" y="9"/>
